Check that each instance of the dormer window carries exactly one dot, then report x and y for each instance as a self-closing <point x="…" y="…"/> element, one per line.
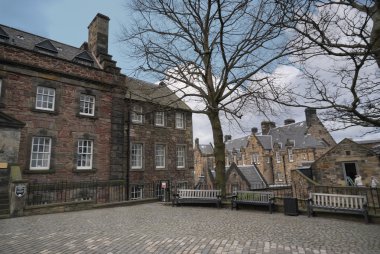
<point x="46" y="47"/>
<point x="84" y="58"/>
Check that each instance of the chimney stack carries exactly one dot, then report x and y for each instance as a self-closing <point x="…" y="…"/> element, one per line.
<point x="197" y="141"/>
<point x="98" y="34"/>
<point x="289" y="121"/>
<point x="311" y="116"/>
<point x="98" y="43"/>
<point x="254" y="130"/>
<point x="266" y="126"/>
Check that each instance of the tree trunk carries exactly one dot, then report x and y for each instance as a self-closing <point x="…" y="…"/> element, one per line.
<point x="219" y="151"/>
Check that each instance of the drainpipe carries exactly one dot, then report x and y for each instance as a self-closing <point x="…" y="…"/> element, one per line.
<point x="286" y="178"/>
<point x="129" y="104"/>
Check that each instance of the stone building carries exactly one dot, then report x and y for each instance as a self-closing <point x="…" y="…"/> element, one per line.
<point x="160" y="136"/>
<point x="64" y="114"/>
<point x="204" y="165"/>
<point x="349" y="158"/>
<point x="272" y="154"/>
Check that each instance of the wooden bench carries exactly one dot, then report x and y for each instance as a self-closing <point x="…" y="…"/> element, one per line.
<point x="355" y="204"/>
<point x="189" y="196"/>
<point x="253" y="198"/>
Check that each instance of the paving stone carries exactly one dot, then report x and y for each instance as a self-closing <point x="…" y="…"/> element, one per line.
<point x="157" y="228"/>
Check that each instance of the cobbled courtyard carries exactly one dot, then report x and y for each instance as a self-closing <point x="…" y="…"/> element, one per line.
<point x="158" y="228"/>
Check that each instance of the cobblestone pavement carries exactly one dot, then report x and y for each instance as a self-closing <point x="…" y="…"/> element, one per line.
<point x="158" y="228"/>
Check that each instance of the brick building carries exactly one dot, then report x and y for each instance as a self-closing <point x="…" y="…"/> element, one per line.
<point x="204" y="164"/>
<point x="64" y="113"/>
<point x="267" y="158"/>
<point x="345" y="160"/>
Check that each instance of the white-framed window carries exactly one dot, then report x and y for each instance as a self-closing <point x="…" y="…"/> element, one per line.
<point x="255" y="158"/>
<point x="40" y="154"/>
<point x="268" y="159"/>
<point x="243" y="158"/>
<point x="137" y="116"/>
<point x="181" y="155"/>
<point x="45" y="98"/>
<point x="136" y="156"/>
<point x="278" y="157"/>
<point x="279" y="145"/>
<point x="180" y="120"/>
<point x="137" y="191"/>
<point x="87" y="105"/>
<point x="159" y="119"/>
<point x="290" y="154"/>
<point x="160" y="156"/>
<point x="84" y="154"/>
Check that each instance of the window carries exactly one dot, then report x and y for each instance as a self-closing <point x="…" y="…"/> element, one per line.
<point x="243" y="158"/>
<point x="159" y="119"/>
<point x="268" y="159"/>
<point x="45" y="98"/>
<point x="40" y="155"/>
<point x="181" y="156"/>
<point x="160" y="156"/>
<point x="137" y="191"/>
<point x="255" y="158"/>
<point x="84" y="153"/>
<point x="137" y="116"/>
<point x="278" y="157"/>
<point x="136" y="156"/>
<point x="279" y="145"/>
<point x="290" y="154"/>
<point x="87" y="105"/>
<point x="179" y="120"/>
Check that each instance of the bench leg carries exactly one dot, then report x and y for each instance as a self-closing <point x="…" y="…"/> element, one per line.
<point x="366" y="217"/>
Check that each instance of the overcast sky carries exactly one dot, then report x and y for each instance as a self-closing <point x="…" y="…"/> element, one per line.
<point x="66" y="21"/>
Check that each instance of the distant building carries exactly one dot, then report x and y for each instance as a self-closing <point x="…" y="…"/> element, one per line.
<point x="204" y="163"/>
<point x="344" y="161"/>
<point x="271" y="155"/>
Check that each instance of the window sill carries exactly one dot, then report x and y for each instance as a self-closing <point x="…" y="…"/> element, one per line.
<point x="39" y="171"/>
<point x="84" y="170"/>
<point x="87" y="116"/>
<point x="44" y="111"/>
<point x="136" y="169"/>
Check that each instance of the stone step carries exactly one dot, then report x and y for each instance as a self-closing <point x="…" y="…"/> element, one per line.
<point x="4" y="207"/>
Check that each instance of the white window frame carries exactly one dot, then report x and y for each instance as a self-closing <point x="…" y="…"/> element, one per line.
<point x="179" y="120"/>
<point x="137" y="192"/>
<point x="160" y="155"/>
<point x="279" y="145"/>
<point x="243" y="158"/>
<point x="137" y="156"/>
<point x="159" y="118"/>
<point x="181" y="156"/>
<point x="45" y="95"/>
<point x="278" y="157"/>
<point x="87" y="105"/>
<point x="268" y="159"/>
<point x="85" y="149"/>
<point x="137" y="116"/>
<point x="256" y="158"/>
<point x="290" y="155"/>
<point x="40" y="153"/>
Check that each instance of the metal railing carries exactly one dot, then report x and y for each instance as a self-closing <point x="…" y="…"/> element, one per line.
<point x="63" y="192"/>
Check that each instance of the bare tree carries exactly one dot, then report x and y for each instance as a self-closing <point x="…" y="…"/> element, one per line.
<point x="216" y="52"/>
<point x="338" y="53"/>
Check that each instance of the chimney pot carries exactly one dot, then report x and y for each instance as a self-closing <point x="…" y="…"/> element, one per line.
<point x="254" y="130"/>
<point x="227" y="138"/>
<point x="289" y="121"/>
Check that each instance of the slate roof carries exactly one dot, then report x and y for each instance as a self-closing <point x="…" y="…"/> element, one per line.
<point x="266" y="141"/>
<point x="34" y="42"/>
<point x="253" y="177"/>
<point x="298" y="133"/>
<point x="237" y="144"/>
<point x="206" y="149"/>
<point x="160" y="94"/>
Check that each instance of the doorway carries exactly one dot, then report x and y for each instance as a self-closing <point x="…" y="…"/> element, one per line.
<point x="350" y="171"/>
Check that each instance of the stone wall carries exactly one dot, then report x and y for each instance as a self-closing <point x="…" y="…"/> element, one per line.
<point x="22" y="71"/>
<point x="9" y="144"/>
<point x="149" y="135"/>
